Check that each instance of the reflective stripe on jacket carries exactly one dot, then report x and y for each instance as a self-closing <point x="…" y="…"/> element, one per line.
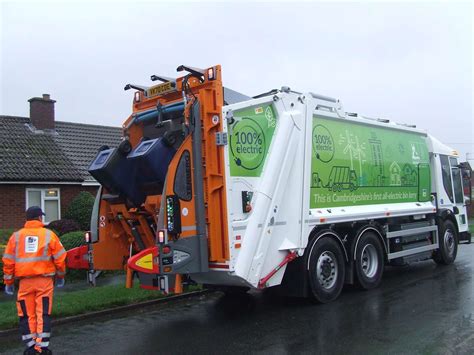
<point x="33" y="251"/>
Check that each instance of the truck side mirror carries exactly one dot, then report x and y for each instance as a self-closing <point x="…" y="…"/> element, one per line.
<point x="466" y="174"/>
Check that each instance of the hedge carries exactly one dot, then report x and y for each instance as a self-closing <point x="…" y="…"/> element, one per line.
<point x="5" y="235"/>
<point x="63" y="226"/>
<point x="80" y="209"/>
<point x="72" y="240"/>
<point x="69" y="241"/>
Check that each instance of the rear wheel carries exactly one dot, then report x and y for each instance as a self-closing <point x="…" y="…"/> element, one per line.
<point x="448" y="243"/>
<point x="369" y="261"/>
<point x="326" y="269"/>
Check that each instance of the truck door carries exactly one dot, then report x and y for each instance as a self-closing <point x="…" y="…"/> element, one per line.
<point x="467" y="184"/>
<point x="458" y="194"/>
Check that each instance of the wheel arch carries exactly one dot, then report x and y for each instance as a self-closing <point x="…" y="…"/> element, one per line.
<point x="360" y="233"/>
<point x="316" y="235"/>
<point x="447" y="215"/>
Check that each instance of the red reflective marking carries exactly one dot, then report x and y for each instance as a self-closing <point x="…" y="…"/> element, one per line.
<point x="218" y="266"/>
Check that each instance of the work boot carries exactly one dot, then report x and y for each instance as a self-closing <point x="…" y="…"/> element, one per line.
<point x="45" y="351"/>
<point x="30" y="351"/>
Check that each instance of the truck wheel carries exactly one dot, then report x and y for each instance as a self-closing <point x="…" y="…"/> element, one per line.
<point x="326" y="270"/>
<point x="369" y="262"/>
<point x="448" y="243"/>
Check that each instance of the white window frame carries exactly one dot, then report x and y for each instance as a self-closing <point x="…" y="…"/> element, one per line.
<point x="44" y="197"/>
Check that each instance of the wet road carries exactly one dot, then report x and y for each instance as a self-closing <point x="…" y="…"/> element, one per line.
<point x="420" y="309"/>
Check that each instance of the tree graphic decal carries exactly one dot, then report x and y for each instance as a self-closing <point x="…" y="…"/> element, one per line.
<point x="354" y="149"/>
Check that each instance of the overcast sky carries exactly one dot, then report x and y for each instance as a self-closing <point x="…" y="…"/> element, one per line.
<point x="410" y="62"/>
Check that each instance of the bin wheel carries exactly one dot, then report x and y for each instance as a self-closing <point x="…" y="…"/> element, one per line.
<point x="125" y="147"/>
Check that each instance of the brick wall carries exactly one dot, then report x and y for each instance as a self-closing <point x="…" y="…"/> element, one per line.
<point x="42" y="112"/>
<point x="12" y="212"/>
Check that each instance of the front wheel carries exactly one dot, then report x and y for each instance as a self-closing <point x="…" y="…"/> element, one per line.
<point x="369" y="261"/>
<point x="326" y="269"/>
<point x="448" y="243"/>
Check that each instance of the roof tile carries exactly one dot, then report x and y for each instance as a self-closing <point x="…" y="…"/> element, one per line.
<point x="63" y="155"/>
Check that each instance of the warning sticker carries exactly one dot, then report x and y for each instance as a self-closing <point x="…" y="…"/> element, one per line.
<point x="146" y="262"/>
<point x="31" y="244"/>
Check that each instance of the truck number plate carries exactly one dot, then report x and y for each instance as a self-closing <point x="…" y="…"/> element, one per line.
<point x="160" y="89"/>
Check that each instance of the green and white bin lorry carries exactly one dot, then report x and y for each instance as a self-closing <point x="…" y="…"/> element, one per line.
<point x="334" y="196"/>
<point x="284" y="188"/>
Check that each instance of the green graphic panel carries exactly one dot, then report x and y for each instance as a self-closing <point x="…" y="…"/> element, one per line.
<point x="250" y="137"/>
<point x="354" y="164"/>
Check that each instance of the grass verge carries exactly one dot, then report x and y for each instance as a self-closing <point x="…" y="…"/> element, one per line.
<point x="84" y="301"/>
<point x="471" y="226"/>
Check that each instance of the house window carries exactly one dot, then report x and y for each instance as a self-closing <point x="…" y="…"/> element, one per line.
<point x="48" y="200"/>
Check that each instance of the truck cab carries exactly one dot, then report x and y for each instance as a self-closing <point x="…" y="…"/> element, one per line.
<point x="447" y="177"/>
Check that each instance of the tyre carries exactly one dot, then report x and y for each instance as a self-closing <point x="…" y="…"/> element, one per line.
<point x="326" y="269"/>
<point x="369" y="261"/>
<point x="448" y="243"/>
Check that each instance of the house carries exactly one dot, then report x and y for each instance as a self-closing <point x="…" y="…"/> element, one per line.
<point x="395" y="171"/>
<point x="44" y="162"/>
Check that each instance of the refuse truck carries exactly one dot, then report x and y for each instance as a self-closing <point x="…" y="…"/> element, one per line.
<point x="285" y="188"/>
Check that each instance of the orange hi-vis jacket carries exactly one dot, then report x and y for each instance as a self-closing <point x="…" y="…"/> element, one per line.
<point x="33" y="251"/>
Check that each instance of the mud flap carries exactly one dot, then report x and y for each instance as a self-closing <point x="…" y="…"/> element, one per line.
<point x="295" y="281"/>
<point x="465" y="237"/>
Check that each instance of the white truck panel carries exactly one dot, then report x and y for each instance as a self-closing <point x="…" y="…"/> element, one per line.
<point x="258" y="238"/>
<point x="281" y="220"/>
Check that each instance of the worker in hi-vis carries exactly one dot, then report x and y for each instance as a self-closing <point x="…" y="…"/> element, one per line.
<point x="34" y="255"/>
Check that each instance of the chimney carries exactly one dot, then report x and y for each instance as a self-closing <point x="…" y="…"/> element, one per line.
<point x="42" y="112"/>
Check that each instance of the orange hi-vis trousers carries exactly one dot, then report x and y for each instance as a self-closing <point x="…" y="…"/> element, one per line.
<point x="35" y="303"/>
